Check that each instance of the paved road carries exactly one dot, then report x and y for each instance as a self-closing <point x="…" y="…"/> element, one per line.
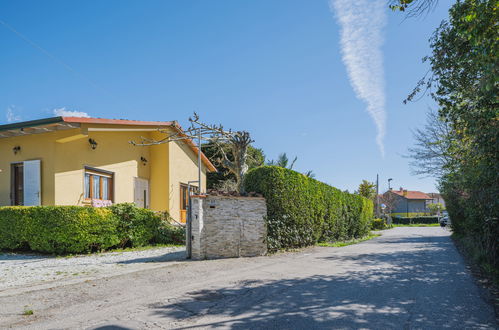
<point x="410" y="278"/>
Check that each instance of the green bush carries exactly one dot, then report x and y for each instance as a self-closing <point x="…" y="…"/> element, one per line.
<point x="13" y="227"/>
<point x="378" y="224"/>
<point x="414" y="220"/>
<point x="137" y="226"/>
<point x="302" y="211"/>
<point x="57" y="229"/>
<point x="79" y="229"/>
<point x="169" y="234"/>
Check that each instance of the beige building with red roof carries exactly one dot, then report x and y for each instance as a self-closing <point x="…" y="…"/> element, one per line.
<point x="409" y="202"/>
<point x="91" y="162"/>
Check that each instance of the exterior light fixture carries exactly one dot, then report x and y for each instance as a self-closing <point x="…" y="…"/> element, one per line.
<point x="16" y="149"/>
<point x="143" y="160"/>
<point x="93" y="144"/>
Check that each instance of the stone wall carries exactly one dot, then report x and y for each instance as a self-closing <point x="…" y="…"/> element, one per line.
<point x="228" y="226"/>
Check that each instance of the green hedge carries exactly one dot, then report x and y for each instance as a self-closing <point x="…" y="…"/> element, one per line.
<point x="414" y="220"/>
<point x="302" y="211"/>
<point x="379" y="224"/>
<point x="78" y="229"/>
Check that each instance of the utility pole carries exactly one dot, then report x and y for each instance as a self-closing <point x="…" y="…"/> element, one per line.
<point x="377" y="195"/>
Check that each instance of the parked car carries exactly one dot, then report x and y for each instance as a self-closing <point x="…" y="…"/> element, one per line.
<point x="444" y="220"/>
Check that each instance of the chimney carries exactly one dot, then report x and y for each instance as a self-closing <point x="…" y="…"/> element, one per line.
<point x="405" y="192"/>
<point x="401" y="189"/>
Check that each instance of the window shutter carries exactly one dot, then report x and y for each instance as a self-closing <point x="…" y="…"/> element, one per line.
<point x="32" y="183"/>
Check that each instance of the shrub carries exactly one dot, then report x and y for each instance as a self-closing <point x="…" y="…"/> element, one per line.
<point x="136" y="226"/>
<point x="378" y="224"/>
<point x="79" y="229"/>
<point x="302" y="211"/>
<point x="57" y="229"/>
<point x="13" y="225"/>
<point x="169" y="234"/>
<point x="415" y="220"/>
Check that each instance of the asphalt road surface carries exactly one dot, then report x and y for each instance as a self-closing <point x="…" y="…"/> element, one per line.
<point x="409" y="278"/>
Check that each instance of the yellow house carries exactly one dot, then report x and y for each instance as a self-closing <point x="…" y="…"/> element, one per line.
<point x="90" y="161"/>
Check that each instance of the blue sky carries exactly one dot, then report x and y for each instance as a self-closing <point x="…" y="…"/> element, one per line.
<point x="272" y="67"/>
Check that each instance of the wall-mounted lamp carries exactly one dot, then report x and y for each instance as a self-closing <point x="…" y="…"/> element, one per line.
<point x="143" y="160"/>
<point x="16" y="149"/>
<point x="93" y="143"/>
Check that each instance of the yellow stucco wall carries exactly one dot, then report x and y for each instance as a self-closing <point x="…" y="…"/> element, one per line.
<point x="159" y="181"/>
<point x="183" y="168"/>
<point x="37" y="146"/>
<point x="64" y="154"/>
<point x="113" y="153"/>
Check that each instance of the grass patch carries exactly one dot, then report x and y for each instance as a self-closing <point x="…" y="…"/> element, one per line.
<point x="348" y="242"/>
<point x="28" y="312"/>
<point x="419" y="225"/>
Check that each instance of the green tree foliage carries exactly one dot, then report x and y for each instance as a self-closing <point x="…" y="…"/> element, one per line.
<point x="302" y="211"/>
<point x="464" y="82"/>
<point x="367" y="189"/>
<point x="413" y="7"/>
<point x="283" y="161"/>
<point x="225" y="179"/>
<point x="436" y="208"/>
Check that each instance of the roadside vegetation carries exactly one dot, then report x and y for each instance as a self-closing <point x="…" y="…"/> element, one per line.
<point x="418" y="225"/>
<point x="348" y="242"/>
<point x="460" y="142"/>
<point x="302" y="211"/>
<point x="65" y="230"/>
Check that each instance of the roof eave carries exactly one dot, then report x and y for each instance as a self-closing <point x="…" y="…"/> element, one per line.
<point x="31" y="123"/>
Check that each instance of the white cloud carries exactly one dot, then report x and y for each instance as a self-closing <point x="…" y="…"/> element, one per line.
<point x="362" y="23"/>
<point x="11" y="116"/>
<point x="69" y="113"/>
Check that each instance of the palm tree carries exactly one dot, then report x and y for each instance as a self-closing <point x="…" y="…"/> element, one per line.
<point x="309" y="174"/>
<point x="282" y="161"/>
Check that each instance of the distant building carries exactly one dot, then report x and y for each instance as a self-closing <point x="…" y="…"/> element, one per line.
<point x="409" y="203"/>
<point x="436" y="198"/>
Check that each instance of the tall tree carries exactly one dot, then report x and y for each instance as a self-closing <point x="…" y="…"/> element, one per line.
<point x="283" y="161"/>
<point x="431" y="154"/>
<point x="237" y="142"/>
<point x="224" y="179"/>
<point x="367" y="189"/>
<point x="464" y="82"/>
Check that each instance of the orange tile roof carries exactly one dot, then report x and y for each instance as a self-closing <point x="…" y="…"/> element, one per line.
<point x="411" y="194"/>
<point x="83" y="120"/>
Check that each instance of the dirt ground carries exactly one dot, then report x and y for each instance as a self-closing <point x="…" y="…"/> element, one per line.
<point x="407" y="278"/>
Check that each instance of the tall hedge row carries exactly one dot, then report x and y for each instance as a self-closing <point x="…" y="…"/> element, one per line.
<point x="302" y="211"/>
<point x="78" y="229"/>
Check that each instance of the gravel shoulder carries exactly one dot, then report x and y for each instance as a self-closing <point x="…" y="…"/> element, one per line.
<point x="25" y="272"/>
<point x="409" y="278"/>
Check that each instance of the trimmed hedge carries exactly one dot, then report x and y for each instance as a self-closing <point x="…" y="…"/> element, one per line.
<point x="302" y="211"/>
<point x="79" y="229"/>
<point x="379" y="224"/>
<point x="57" y="229"/>
<point x="415" y="220"/>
